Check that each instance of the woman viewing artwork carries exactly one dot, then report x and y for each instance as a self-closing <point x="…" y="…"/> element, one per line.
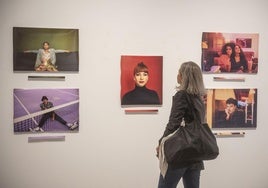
<point x="191" y="85"/>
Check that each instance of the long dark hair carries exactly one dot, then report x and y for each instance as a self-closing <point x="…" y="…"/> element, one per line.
<point x="242" y="54"/>
<point x="230" y="44"/>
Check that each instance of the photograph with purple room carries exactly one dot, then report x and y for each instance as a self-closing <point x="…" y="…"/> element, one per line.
<point x="46" y="110"/>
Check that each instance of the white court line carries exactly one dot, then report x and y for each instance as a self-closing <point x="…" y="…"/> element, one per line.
<point x="69" y="93"/>
<point x="24" y="109"/>
<point x="44" y="111"/>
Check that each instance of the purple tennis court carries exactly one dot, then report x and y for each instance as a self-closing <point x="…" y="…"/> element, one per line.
<point x="28" y="113"/>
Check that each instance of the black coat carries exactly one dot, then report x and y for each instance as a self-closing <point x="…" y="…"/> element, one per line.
<point x="181" y="109"/>
<point x="140" y="95"/>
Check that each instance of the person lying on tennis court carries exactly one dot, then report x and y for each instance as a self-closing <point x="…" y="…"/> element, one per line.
<point x="46" y="105"/>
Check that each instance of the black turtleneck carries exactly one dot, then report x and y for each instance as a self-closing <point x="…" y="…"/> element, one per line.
<point x="140" y="95"/>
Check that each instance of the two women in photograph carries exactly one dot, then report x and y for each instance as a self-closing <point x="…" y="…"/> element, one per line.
<point x="232" y="59"/>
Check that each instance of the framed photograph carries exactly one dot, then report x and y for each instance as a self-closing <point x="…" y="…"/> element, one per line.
<point x="141" y="80"/>
<point x="232" y="108"/>
<point x="46" y="110"/>
<point x="230" y="52"/>
<point x="45" y="49"/>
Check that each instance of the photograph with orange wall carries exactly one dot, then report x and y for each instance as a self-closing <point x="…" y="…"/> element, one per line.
<point x="232" y="108"/>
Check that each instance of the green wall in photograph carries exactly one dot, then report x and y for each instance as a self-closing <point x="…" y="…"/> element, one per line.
<point x="33" y="38"/>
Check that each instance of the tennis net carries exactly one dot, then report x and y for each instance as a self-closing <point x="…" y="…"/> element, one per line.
<point x="68" y="111"/>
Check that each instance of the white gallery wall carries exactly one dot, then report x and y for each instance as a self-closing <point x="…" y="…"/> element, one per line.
<point x="114" y="149"/>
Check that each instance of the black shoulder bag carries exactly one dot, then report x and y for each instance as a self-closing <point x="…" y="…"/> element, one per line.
<point x="192" y="142"/>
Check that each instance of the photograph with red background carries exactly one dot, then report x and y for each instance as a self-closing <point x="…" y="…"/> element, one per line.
<point x="154" y="65"/>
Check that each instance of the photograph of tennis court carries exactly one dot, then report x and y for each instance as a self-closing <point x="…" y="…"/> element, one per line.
<point x="46" y="110"/>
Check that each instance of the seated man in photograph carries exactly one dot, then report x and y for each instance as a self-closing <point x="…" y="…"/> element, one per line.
<point x="233" y="116"/>
<point x="53" y="115"/>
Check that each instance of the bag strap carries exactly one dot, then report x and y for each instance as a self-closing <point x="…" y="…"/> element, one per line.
<point x="196" y="114"/>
